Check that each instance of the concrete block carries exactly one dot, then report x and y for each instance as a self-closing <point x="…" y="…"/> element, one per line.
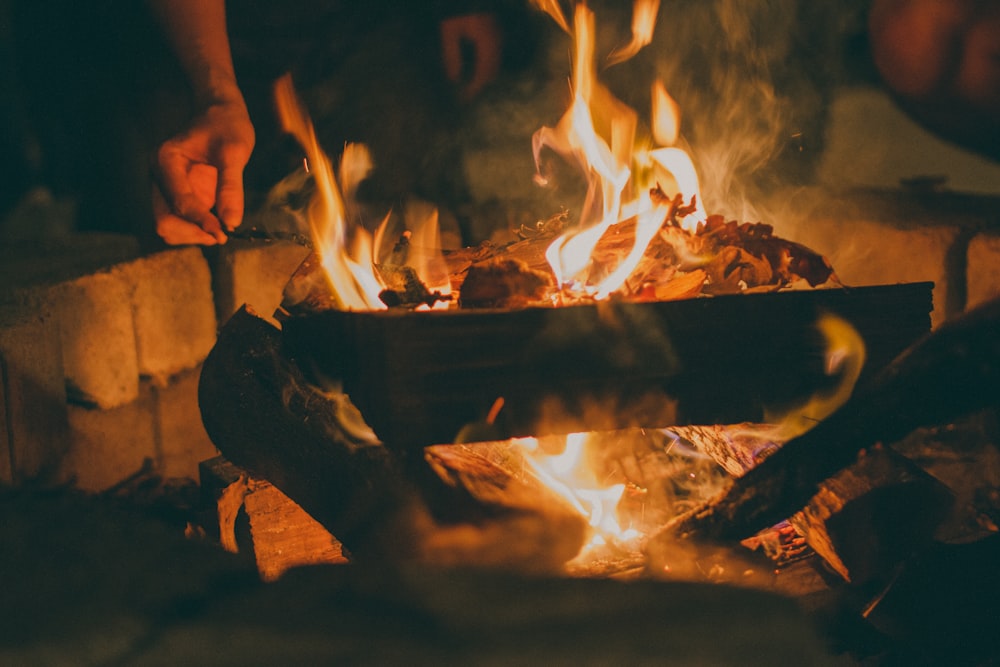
<point x="183" y="442"/>
<point x="983" y="269"/>
<point x="173" y="309"/>
<point x="50" y="261"/>
<point x="108" y="446"/>
<point x="869" y="252"/>
<point x="254" y="272"/>
<point x="71" y="278"/>
<point x="33" y="418"/>
<point x="98" y="339"/>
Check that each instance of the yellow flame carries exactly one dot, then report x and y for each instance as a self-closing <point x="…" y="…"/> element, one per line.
<point x="553" y="9"/>
<point x="352" y="279"/>
<point x="598" y="132"/>
<point x="845" y="356"/>
<point x="666" y="116"/>
<point x="568" y="475"/>
<point x="425" y="255"/>
<point x="643" y="22"/>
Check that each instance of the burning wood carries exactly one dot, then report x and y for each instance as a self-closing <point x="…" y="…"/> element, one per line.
<point x="460" y="509"/>
<point x="949" y="373"/>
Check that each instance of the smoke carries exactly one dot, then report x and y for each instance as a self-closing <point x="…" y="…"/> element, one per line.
<point x="753" y="79"/>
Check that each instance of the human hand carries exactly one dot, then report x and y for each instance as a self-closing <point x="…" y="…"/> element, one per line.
<point x="482" y="32"/>
<point x="199" y="170"/>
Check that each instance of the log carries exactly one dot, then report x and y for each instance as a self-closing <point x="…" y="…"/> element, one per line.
<point x="872" y="515"/>
<point x="264" y="416"/>
<point x="281" y="534"/>
<point x="420" y="377"/>
<point x="951" y="372"/>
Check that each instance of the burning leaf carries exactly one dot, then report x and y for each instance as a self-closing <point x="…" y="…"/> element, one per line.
<point x="503" y="283"/>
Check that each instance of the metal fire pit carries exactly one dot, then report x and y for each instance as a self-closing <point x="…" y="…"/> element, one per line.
<point x="419" y="378"/>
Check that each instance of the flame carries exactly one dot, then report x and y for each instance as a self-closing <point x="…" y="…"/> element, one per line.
<point x="348" y="252"/>
<point x="845" y="356"/>
<point x="352" y="278"/>
<point x="598" y="132"/>
<point x="568" y="474"/>
<point x="643" y="22"/>
<point x="425" y="256"/>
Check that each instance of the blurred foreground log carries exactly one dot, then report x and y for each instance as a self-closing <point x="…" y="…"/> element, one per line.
<point x="312" y="445"/>
<point x="951" y="372"/>
<point x="873" y="514"/>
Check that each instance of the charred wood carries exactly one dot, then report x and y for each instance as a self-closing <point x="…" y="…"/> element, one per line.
<point x="951" y="372"/>
<point x="264" y="416"/>
<point x="872" y="515"/>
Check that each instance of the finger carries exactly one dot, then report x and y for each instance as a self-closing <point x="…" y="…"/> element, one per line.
<point x="187" y="190"/>
<point x="229" y="197"/>
<point x="175" y="230"/>
<point x="172" y="172"/>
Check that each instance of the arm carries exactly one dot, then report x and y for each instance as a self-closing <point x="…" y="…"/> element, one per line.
<point x="201" y="168"/>
<point x="941" y="60"/>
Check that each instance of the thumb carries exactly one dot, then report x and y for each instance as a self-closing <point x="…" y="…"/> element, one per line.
<point x="229" y="198"/>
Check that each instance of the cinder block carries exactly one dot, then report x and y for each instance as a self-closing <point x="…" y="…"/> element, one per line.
<point x="255" y="273"/>
<point x="98" y="339"/>
<point x="108" y="446"/>
<point x="865" y="252"/>
<point x="50" y="261"/>
<point x="33" y="408"/>
<point x="70" y="278"/>
<point x="184" y="444"/>
<point x="983" y="269"/>
<point x="173" y="309"/>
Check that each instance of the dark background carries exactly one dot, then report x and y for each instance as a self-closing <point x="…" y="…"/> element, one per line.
<point x="90" y="89"/>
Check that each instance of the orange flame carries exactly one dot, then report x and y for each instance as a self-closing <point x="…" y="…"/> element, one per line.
<point x="643" y="22"/>
<point x="568" y="475"/>
<point x="352" y="278"/>
<point x="349" y="253"/>
<point x="598" y="132"/>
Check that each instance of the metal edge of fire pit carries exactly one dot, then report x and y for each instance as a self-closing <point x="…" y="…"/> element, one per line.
<point x="419" y="377"/>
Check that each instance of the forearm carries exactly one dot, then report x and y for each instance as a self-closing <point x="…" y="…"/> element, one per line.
<point x="196" y="29"/>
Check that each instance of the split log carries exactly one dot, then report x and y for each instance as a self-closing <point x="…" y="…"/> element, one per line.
<point x="282" y="535"/>
<point x="951" y="372"/>
<point x="264" y="416"/>
<point x="871" y="516"/>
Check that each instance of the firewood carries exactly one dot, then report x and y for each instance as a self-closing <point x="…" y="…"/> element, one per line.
<point x="949" y="373"/>
<point x="872" y="515"/>
<point x="264" y="416"/>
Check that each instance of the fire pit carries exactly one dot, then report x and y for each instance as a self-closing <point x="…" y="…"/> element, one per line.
<point x="403" y="430"/>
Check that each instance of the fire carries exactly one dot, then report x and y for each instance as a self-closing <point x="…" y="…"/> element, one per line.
<point x="599" y="133"/>
<point x="568" y="474"/>
<point x="348" y="252"/>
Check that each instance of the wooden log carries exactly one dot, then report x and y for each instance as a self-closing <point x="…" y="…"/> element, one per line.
<point x="281" y="534"/>
<point x="264" y="416"/>
<point x="872" y="515"/>
<point x="419" y="377"/>
<point x="951" y="372"/>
